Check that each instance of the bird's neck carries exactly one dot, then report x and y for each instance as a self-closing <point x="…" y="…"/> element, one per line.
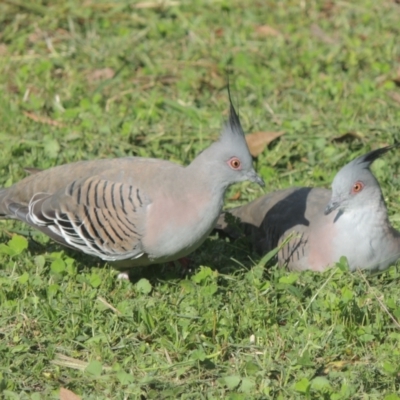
<point x="204" y="172"/>
<point x="372" y="232"/>
<point x="371" y="217"/>
<point x="205" y="169"/>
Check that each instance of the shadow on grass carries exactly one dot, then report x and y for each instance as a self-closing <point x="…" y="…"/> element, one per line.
<point x="217" y="252"/>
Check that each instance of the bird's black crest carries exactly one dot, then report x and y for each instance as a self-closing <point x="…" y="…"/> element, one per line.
<point x="370" y="157"/>
<point x="234" y="121"/>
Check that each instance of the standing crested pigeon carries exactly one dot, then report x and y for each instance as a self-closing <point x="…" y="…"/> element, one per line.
<point x="144" y="211"/>
<point x="351" y="221"/>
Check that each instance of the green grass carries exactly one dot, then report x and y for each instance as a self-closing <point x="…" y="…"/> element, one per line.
<point x="93" y="79"/>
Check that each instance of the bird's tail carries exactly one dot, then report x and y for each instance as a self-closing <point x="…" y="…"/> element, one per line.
<point x="3" y="205"/>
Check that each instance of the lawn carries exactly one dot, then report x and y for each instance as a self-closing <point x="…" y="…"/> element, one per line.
<point x="97" y="79"/>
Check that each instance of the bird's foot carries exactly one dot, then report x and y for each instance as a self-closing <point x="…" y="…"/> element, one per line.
<point x="123" y="275"/>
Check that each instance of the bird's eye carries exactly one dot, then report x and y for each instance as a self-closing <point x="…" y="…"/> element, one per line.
<point x="357" y="187"/>
<point x="235" y="163"/>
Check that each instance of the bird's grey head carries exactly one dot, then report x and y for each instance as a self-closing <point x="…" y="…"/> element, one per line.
<point x="354" y="186"/>
<point x="230" y="155"/>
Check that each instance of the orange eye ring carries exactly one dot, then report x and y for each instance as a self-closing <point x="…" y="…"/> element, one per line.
<point x="357" y="187"/>
<point x="235" y="163"/>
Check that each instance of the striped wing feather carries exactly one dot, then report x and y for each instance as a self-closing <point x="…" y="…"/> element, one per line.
<point x="269" y="220"/>
<point x="97" y="216"/>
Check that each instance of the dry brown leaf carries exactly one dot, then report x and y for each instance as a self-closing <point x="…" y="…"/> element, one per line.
<point x="3" y="49"/>
<point x="219" y="32"/>
<point x="36" y="36"/>
<point x="394" y="96"/>
<point x="257" y="141"/>
<point x="42" y="120"/>
<point x="348" y="137"/>
<point x="321" y="35"/>
<point x="328" y="8"/>
<point x="66" y="394"/>
<point x="266" y="30"/>
<point x="236" y="196"/>
<point x="155" y="4"/>
<point x="108" y="305"/>
<point x="69" y="362"/>
<point x="396" y="78"/>
<point x="100" y="74"/>
<point x="340" y="365"/>
<point x="63" y="32"/>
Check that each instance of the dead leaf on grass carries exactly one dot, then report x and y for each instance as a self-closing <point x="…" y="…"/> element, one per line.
<point x="328" y="9"/>
<point x="3" y="49"/>
<point x="36" y="36"/>
<point x="66" y="394"/>
<point x="257" y="141"/>
<point x="340" y="365"/>
<point x="321" y="35"/>
<point x="69" y="362"/>
<point x="219" y="32"/>
<point x="396" y="79"/>
<point x="100" y="74"/>
<point x="155" y="4"/>
<point x="394" y="96"/>
<point x="236" y="196"/>
<point x="266" y="30"/>
<point x="348" y="137"/>
<point x="42" y="120"/>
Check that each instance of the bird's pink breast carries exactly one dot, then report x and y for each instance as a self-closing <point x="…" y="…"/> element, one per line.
<point x="322" y="252"/>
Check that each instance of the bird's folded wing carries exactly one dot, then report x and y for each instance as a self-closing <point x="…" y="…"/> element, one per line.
<point x="97" y="216"/>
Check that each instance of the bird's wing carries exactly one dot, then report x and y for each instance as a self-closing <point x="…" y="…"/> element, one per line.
<point x="97" y="216"/>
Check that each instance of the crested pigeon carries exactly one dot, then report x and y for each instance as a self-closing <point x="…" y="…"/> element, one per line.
<point x="351" y="221"/>
<point x="133" y="211"/>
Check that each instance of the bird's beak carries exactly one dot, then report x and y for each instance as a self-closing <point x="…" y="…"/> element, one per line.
<point x="256" y="179"/>
<point x="332" y="206"/>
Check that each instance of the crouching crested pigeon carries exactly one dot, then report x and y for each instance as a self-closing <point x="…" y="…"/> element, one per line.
<point x="142" y="210"/>
<point x="351" y="221"/>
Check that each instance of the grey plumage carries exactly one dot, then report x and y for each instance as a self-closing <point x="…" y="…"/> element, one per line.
<point x="351" y="220"/>
<point x="136" y="209"/>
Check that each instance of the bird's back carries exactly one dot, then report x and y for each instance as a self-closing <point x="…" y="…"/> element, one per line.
<point x="129" y="170"/>
<point x="145" y="210"/>
<point x="268" y="220"/>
